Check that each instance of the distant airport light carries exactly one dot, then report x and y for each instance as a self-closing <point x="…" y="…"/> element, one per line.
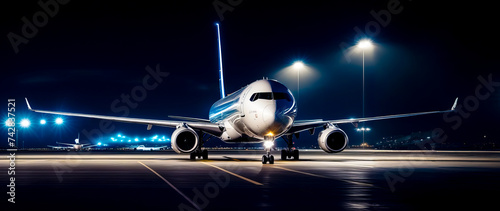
<point x="363" y="129"/>
<point x="144" y="139"/>
<point x="136" y="139"/>
<point x="365" y="44"/>
<point x="99" y="144"/>
<point x="119" y="135"/>
<point x="25" y="123"/>
<point x="298" y="65"/>
<point x="9" y="123"/>
<point x="43" y="122"/>
<point x="59" y="120"/>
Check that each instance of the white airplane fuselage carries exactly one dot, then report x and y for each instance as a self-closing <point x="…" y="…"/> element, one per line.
<point x="77" y="147"/>
<point x="265" y="109"/>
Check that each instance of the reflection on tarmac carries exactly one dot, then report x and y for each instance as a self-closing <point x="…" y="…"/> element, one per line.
<point x="236" y="180"/>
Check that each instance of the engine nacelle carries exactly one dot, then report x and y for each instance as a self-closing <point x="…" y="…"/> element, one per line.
<point x="184" y="140"/>
<point x="332" y="140"/>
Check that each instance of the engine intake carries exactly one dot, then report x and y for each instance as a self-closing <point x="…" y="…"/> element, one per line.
<point x="184" y="140"/>
<point x="332" y="140"/>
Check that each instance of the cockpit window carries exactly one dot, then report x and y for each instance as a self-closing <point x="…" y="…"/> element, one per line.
<point x="282" y="96"/>
<point x="271" y="96"/>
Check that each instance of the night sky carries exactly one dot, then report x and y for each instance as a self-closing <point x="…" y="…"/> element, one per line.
<point x="87" y="54"/>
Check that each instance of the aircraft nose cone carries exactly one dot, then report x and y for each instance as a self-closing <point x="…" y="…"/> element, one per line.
<point x="269" y="114"/>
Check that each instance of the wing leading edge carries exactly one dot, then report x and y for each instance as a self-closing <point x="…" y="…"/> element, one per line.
<point x="306" y="125"/>
<point x="207" y="127"/>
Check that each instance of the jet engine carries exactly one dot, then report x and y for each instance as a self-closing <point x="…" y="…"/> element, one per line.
<point x="333" y="139"/>
<point x="184" y="140"/>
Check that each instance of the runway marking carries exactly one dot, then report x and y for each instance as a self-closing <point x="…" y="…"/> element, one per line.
<point x="170" y="184"/>
<point x="321" y="176"/>
<point x="231" y="158"/>
<point x="355" y="163"/>
<point x="301" y="172"/>
<point x="234" y="174"/>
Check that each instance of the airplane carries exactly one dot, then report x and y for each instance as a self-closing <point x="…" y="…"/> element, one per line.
<point x="144" y="148"/>
<point x="77" y="146"/>
<point x="260" y="112"/>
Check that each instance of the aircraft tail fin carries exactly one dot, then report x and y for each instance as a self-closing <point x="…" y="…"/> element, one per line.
<point x="221" y="73"/>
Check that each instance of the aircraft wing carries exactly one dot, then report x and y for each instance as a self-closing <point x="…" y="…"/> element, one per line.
<point x="308" y="125"/>
<point x="207" y="127"/>
<point x="59" y="147"/>
<point x="157" y="148"/>
<point x="88" y="145"/>
<point x="72" y="145"/>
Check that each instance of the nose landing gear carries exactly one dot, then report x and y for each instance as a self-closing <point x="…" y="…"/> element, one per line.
<point x="268" y="158"/>
<point x="268" y="145"/>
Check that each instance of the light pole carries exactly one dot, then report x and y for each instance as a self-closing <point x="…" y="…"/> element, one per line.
<point x="363" y="130"/>
<point x="364" y="44"/>
<point x="298" y="65"/>
<point x="42" y="123"/>
<point x="25" y="123"/>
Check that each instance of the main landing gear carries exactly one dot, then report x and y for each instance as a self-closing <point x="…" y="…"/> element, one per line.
<point x="198" y="152"/>
<point x="291" y="151"/>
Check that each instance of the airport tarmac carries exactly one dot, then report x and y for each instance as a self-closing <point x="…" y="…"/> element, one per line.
<point x="237" y="180"/>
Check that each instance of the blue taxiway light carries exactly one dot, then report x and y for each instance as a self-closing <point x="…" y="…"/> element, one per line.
<point x="25" y="123"/>
<point x="59" y="120"/>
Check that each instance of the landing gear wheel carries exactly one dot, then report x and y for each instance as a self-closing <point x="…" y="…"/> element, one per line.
<point x="296" y="154"/>
<point x="283" y="154"/>
<point x="192" y="156"/>
<point x="271" y="159"/>
<point x="264" y="159"/>
<point x="204" y="154"/>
